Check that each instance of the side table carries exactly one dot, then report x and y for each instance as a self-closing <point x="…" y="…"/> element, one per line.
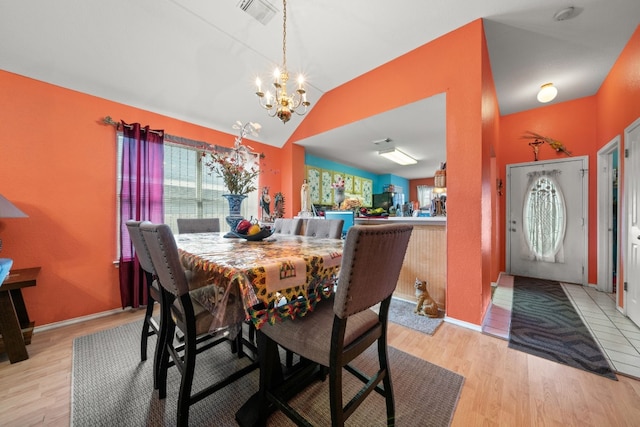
<point x="15" y="326"/>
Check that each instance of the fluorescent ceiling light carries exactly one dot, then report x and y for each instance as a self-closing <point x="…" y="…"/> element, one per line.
<point x="547" y="93"/>
<point x="398" y="156"/>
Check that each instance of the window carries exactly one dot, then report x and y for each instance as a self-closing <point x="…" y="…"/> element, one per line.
<point x="190" y="190"/>
<point x="544" y="219"/>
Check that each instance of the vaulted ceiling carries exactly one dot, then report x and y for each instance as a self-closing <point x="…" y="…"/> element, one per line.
<point x="196" y="60"/>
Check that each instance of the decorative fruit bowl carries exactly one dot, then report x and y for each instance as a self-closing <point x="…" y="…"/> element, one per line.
<point x="256" y="237"/>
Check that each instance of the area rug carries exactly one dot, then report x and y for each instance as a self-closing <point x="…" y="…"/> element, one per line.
<point x="401" y="312"/>
<point x="111" y="387"/>
<point x="545" y="324"/>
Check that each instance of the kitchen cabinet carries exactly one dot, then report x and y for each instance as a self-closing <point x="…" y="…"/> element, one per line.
<point x="313" y="180"/>
<point x="321" y="190"/>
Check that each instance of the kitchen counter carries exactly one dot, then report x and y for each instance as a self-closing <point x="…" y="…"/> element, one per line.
<point x="426" y="256"/>
<point x="416" y="220"/>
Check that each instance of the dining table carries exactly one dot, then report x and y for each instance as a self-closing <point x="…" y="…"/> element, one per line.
<point x="276" y="279"/>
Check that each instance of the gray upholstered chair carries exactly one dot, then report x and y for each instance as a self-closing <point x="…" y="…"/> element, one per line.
<point x="179" y="309"/>
<point x="324" y="228"/>
<point x="337" y="331"/>
<point x="198" y="225"/>
<point x="287" y="226"/>
<point x="150" y="326"/>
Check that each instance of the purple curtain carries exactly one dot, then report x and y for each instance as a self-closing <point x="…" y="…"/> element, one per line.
<point x="141" y="199"/>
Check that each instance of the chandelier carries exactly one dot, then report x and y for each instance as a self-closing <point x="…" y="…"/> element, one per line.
<point x="282" y="104"/>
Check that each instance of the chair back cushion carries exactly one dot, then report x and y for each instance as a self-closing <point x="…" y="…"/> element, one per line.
<point x="324" y="228"/>
<point x="165" y="257"/>
<point x="140" y="246"/>
<point x="198" y="225"/>
<point x="371" y="261"/>
<point x="287" y="225"/>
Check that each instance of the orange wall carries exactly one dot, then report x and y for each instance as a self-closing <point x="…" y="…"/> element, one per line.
<point x="58" y="165"/>
<point x="583" y="126"/>
<point x="455" y="64"/>
<point x="413" y="186"/>
<point x="489" y="213"/>
<point x="574" y="124"/>
<point x="618" y="103"/>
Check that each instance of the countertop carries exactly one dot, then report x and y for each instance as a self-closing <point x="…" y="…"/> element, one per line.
<point x="426" y="220"/>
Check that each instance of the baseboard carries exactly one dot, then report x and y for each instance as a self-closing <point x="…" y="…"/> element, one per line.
<point x="76" y="320"/>
<point x="472" y="326"/>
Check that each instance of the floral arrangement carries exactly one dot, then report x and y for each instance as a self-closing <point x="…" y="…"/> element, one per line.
<point x="232" y="166"/>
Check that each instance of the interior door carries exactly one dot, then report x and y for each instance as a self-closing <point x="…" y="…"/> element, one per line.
<point x="632" y="195"/>
<point x="547" y="219"/>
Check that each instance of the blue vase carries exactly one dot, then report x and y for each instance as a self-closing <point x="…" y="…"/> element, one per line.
<point x="234" y="217"/>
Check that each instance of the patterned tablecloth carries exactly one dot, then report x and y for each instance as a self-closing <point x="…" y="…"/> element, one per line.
<point x="282" y="277"/>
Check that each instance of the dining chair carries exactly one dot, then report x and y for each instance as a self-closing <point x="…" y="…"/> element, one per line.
<point x="287" y="226"/>
<point x="324" y="228"/>
<point x="150" y="325"/>
<point x="335" y="333"/>
<point x="179" y="309"/>
<point x="198" y="225"/>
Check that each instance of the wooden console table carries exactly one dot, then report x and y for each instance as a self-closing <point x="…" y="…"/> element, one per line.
<point x="15" y="326"/>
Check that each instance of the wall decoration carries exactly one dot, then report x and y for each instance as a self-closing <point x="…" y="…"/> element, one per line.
<point x="539" y="140"/>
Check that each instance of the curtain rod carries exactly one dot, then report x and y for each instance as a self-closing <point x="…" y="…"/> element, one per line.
<point x="109" y="121"/>
<point x="169" y="138"/>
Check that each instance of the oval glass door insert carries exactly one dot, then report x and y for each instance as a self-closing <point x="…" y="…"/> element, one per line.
<point x="544" y="219"/>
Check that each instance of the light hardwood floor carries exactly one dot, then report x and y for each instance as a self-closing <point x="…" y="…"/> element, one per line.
<point x="502" y="387"/>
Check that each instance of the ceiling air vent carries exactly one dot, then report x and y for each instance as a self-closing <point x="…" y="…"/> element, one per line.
<point x="261" y="10"/>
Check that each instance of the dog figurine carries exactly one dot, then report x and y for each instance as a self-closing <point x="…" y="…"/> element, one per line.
<point x="426" y="305"/>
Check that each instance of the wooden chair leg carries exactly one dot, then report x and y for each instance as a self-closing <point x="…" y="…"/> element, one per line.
<point x="184" y="397"/>
<point x="388" y="387"/>
<point x="147" y="329"/>
<point x="335" y="397"/>
<point x="145" y="332"/>
<point x="162" y="355"/>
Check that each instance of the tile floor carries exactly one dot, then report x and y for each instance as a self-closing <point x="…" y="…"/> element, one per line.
<point x="618" y="337"/>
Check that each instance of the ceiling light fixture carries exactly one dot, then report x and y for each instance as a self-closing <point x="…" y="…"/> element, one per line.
<point x="567" y="13"/>
<point x="398" y="156"/>
<point x="282" y="104"/>
<point x="547" y="93"/>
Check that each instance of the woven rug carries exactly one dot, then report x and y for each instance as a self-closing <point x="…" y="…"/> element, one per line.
<point x="401" y="312"/>
<point x="545" y="324"/>
<point x="111" y="387"/>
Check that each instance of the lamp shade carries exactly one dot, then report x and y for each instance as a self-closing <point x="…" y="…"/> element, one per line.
<point x="547" y="93"/>
<point x="9" y="210"/>
<point x="398" y="156"/>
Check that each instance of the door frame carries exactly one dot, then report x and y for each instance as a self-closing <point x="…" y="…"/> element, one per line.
<point x="605" y="216"/>
<point x="624" y="241"/>
<point x="585" y="210"/>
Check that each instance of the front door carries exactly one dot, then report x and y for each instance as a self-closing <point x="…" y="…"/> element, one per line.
<point x="632" y="195"/>
<point x="547" y="219"/>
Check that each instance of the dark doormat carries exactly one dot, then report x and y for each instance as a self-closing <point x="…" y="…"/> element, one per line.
<point x="545" y="324"/>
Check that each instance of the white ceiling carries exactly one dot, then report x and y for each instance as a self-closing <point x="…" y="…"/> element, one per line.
<point x="196" y="60"/>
